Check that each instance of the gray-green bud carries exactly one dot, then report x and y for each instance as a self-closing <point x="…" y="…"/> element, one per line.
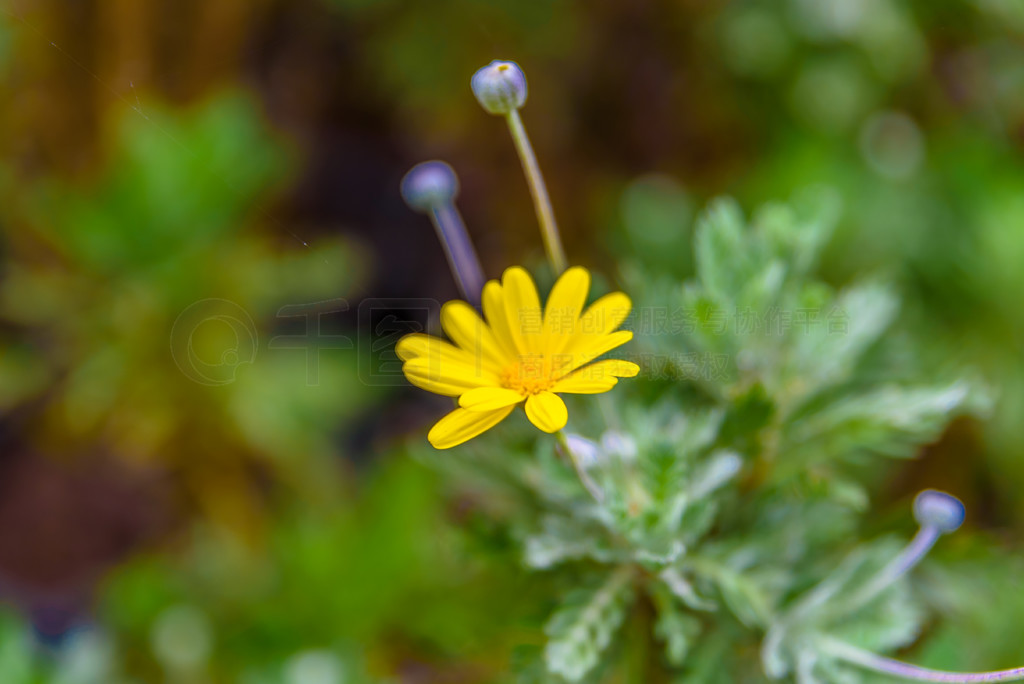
<point x="500" y="87"/>
<point x="942" y="511"/>
<point x="429" y="185"/>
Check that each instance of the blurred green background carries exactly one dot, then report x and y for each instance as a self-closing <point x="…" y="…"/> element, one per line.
<point x="189" y="492"/>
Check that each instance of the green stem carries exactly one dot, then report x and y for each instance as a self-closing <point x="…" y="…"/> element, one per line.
<point x="539" y="191"/>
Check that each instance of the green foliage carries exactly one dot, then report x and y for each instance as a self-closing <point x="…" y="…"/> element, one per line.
<point x="160" y="284"/>
<point x="884" y="622"/>
<point x="742" y="480"/>
<point x="583" y="626"/>
<point x="676" y="627"/>
<point x="349" y="583"/>
<point x="728" y="493"/>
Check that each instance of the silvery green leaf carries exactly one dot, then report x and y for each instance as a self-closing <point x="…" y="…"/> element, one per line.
<point x="774" y="651"/>
<point x="661" y="553"/>
<point x="721" y="245"/>
<point x="741" y="594"/>
<point x="697" y="520"/>
<point x="664" y="472"/>
<point x="582" y="628"/>
<point x="543" y="551"/>
<point x="564" y="539"/>
<point x="798" y="231"/>
<point x="888" y="623"/>
<point x="708" y="330"/>
<point x="806" y="664"/>
<point x="830" y="343"/>
<point x="891" y="421"/>
<point x="744" y="598"/>
<point x="831" y="607"/>
<point x="681" y="430"/>
<point x="848" y="493"/>
<point x="674" y="627"/>
<point x="761" y="290"/>
<point x="719" y="468"/>
<point x="696" y="430"/>
<point x="683" y="589"/>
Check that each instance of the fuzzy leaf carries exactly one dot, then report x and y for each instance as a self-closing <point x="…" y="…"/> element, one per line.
<point x="893" y="621"/>
<point x="724" y="261"/>
<point x="827" y="348"/>
<point x="837" y="607"/>
<point x="582" y="628"/>
<point x="720" y="467"/>
<point x="683" y="589"/>
<point x="744" y="598"/>
<point x="891" y="421"/>
<point x="563" y="539"/>
<point x="674" y="627"/>
<point x="797" y="233"/>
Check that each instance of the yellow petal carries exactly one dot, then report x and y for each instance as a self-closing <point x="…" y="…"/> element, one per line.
<point x="522" y="309"/>
<point x="575" y="384"/>
<point x="606" y="314"/>
<point x="433" y="385"/>
<point x="494" y="309"/>
<point x="615" y="367"/>
<point x="589" y="350"/>
<point x="597" y="377"/>
<point x="418" y="345"/>
<point x="562" y="313"/>
<point x="547" y="411"/>
<point x="489" y="398"/>
<point x="462" y="425"/>
<point x="464" y="326"/>
<point x="447" y="376"/>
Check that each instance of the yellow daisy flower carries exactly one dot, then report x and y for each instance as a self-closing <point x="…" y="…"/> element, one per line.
<point x="520" y="353"/>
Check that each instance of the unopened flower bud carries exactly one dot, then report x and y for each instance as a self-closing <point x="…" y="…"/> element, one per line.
<point x="586" y="452"/>
<point x="429" y="185"/>
<point x="619" y="444"/>
<point x="942" y="511"/>
<point x="500" y="87"/>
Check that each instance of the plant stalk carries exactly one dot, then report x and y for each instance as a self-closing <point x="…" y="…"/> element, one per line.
<point x="539" y="191"/>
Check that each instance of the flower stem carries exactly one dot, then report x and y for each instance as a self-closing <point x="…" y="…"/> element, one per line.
<point x="918" y="547"/>
<point x="871" y="661"/>
<point x="462" y="259"/>
<point x="581" y="472"/>
<point x="539" y="191"/>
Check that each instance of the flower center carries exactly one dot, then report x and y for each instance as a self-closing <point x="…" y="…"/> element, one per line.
<point x="532" y="374"/>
